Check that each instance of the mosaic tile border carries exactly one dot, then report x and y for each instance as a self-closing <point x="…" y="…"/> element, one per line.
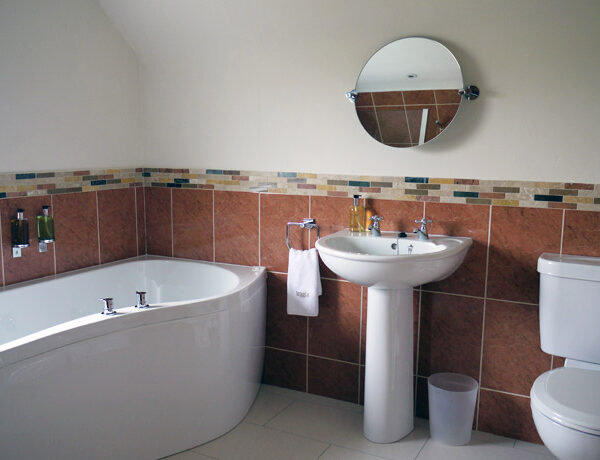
<point x="67" y="181"/>
<point x="531" y="194"/>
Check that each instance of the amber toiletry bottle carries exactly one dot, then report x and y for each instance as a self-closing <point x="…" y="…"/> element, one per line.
<point x="356" y="216"/>
<point x="19" y="230"/>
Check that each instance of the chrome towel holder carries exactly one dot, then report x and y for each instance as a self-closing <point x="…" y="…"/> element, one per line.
<point x="306" y="223"/>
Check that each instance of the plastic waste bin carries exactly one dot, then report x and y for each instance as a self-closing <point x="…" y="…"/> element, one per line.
<point x="451" y="407"/>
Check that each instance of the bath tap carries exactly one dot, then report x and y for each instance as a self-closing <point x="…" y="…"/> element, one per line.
<point x="422" y="230"/>
<point x="374" y="227"/>
<point x="108" y="306"/>
<point x="141" y="300"/>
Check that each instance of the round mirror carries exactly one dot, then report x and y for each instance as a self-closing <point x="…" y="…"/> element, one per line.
<point x="407" y="93"/>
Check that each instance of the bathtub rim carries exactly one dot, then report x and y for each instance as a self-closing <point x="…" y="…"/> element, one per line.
<point x="96" y="325"/>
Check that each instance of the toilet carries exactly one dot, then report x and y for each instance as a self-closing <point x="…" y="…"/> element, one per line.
<point x="565" y="401"/>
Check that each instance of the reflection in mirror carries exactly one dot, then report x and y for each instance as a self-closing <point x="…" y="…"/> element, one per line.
<point x="407" y="93"/>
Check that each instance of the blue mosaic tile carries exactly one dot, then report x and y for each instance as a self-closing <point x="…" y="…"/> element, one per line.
<point x="417" y="180"/>
<point x="359" y="183"/>
<point x="556" y="198"/>
<point x="466" y="194"/>
<point x="172" y="185"/>
<point x="146" y="174"/>
<point x="181" y="181"/>
<point x="287" y="174"/>
<point x="2" y="195"/>
<point x="25" y="176"/>
<point x="214" y="171"/>
<point x="98" y="182"/>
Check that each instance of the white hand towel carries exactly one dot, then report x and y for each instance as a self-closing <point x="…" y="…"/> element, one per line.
<point x="304" y="283"/>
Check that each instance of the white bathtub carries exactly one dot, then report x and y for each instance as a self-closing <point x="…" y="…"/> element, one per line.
<point x="76" y="384"/>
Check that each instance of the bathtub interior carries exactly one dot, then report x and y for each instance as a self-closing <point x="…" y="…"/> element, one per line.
<point x="63" y="298"/>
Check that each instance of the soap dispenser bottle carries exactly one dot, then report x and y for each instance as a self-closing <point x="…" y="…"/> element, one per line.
<point x="356" y="216"/>
<point x="45" y="226"/>
<point x="19" y="230"/>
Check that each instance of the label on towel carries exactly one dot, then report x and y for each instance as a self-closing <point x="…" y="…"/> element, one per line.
<point x="302" y="294"/>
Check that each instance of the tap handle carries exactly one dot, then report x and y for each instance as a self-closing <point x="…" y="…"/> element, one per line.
<point x="425" y="221"/>
<point x="141" y="299"/>
<point x="108" y="306"/>
<point x="376" y="219"/>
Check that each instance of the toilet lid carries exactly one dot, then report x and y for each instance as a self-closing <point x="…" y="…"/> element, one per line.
<point x="570" y="397"/>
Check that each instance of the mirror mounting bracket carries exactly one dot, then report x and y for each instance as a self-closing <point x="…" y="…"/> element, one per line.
<point x="351" y="95"/>
<point x="470" y="92"/>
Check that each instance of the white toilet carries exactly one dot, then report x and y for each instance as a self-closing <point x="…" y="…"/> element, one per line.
<point x="565" y="402"/>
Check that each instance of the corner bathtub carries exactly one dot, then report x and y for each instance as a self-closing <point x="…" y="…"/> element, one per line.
<point x="141" y="384"/>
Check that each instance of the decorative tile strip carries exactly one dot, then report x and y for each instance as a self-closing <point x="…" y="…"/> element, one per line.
<point x="67" y="181"/>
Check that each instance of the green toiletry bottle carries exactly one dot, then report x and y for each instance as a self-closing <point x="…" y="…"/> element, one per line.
<point x="45" y="226"/>
<point x="19" y="230"/>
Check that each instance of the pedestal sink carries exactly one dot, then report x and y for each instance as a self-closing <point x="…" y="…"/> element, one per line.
<point x="390" y="266"/>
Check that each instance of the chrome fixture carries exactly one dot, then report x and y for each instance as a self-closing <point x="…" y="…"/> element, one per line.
<point x="352" y="95"/>
<point x="108" y="306"/>
<point x="306" y="223"/>
<point x="374" y="227"/>
<point x="141" y="300"/>
<point x="422" y="230"/>
<point x="470" y="92"/>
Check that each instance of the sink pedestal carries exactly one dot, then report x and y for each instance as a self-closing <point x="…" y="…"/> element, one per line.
<point x="389" y="397"/>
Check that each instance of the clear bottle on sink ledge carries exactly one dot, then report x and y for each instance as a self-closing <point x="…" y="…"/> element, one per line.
<point x="356" y="216"/>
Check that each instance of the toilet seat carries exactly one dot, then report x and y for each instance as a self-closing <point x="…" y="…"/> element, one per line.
<point x="569" y="397"/>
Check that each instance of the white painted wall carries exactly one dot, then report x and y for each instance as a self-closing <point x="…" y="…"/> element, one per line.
<point x="259" y="84"/>
<point x="69" y="88"/>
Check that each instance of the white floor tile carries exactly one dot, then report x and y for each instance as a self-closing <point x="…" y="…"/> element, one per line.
<point x="481" y="437"/>
<point x="311" y="398"/>
<point x="341" y="453"/>
<point x="435" y="451"/>
<point x="535" y="448"/>
<point x="267" y="405"/>
<point x="252" y="442"/>
<point x="343" y="427"/>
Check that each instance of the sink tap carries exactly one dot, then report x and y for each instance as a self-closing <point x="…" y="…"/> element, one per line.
<point x="374" y="227"/>
<point x="422" y="230"/>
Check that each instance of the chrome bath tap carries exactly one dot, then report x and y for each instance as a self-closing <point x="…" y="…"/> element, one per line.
<point x="422" y="230"/>
<point x="374" y="227"/>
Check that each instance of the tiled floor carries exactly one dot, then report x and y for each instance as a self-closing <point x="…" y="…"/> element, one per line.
<point x="289" y="425"/>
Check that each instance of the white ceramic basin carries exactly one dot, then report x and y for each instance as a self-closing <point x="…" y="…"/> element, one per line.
<point x="389" y="262"/>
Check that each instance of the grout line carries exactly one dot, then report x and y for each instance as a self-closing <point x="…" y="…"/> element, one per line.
<point x="456" y="295"/>
<point x="137" y="235"/>
<point x="145" y="224"/>
<point x="551" y="362"/>
<point x="485" y="286"/>
<point x="98" y="228"/>
<point x="504" y="392"/>
<point x="53" y="244"/>
<point x="513" y="301"/>
<point x="405" y="116"/>
<point x="213" y="228"/>
<point x="562" y="231"/>
<point x="293" y="400"/>
<point x="311" y="355"/>
<point x="2" y="252"/>
<point x="322" y="453"/>
<point x="422" y="447"/>
<point x="377" y="118"/>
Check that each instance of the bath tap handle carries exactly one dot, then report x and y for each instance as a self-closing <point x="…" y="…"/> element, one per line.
<point x="108" y="306"/>
<point x="141" y="300"/>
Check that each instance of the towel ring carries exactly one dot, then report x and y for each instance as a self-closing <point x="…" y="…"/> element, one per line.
<point x="306" y="223"/>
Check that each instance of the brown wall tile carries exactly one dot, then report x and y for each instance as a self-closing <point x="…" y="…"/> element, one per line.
<point x="331" y="214"/>
<point x="419" y="97"/>
<point x="447" y="96"/>
<point x="76" y="227"/>
<point x="285" y="369"/>
<point x="397" y="215"/>
<point x="507" y="415"/>
<point x="335" y="333"/>
<point x="368" y="120"/>
<point x="388" y="98"/>
<point x="159" y="239"/>
<point x="283" y="330"/>
<point x="582" y="233"/>
<point x="450" y="336"/>
<point x="141" y="219"/>
<point x="275" y="212"/>
<point x="518" y="237"/>
<point x="512" y="357"/>
<point x="422" y="401"/>
<point x="393" y="125"/>
<point x="117" y="216"/>
<point x="236" y="227"/>
<point x="193" y="224"/>
<point x="462" y="220"/>
<point x="333" y="379"/>
<point x="32" y="263"/>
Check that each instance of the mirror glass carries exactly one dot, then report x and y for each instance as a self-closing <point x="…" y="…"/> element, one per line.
<point x="407" y="93"/>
